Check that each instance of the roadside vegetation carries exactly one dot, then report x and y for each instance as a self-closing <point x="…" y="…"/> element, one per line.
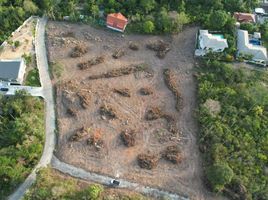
<point x="21" y="139"/>
<point x="233" y="114"/>
<point x="51" y="184"/>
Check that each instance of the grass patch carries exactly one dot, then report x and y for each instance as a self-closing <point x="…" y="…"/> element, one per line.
<point x="55" y="70"/>
<point x="32" y="78"/>
<point x="21" y="139"/>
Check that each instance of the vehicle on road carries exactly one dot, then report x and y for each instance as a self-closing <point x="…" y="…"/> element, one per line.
<point x="4" y="89"/>
<point x="114" y="183"/>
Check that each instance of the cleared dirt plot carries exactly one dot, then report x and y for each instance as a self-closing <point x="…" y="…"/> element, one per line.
<point x="116" y="138"/>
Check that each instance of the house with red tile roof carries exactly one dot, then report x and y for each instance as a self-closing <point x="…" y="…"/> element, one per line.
<point x="245" y="17"/>
<point x="116" y="21"/>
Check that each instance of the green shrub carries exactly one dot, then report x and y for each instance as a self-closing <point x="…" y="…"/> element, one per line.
<point x="219" y="175"/>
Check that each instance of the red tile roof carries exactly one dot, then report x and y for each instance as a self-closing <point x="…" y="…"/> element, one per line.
<point x="116" y="20"/>
<point x="245" y="17"/>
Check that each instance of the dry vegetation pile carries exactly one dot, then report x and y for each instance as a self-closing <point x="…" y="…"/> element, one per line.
<point x="160" y="47"/>
<point x="123" y="71"/>
<point x="173" y="154"/>
<point x="79" y="51"/>
<point x="94" y="61"/>
<point x="71" y="111"/>
<point x="146" y="91"/>
<point x="147" y="161"/>
<point x="128" y="137"/>
<point x="133" y="46"/>
<point x="81" y="133"/>
<point x="96" y="140"/>
<point x="118" y="53"/>
<point x="68" y="34"/>
<point x="155" y="113"/>
<point x="170" y="80"/>
<point x="108" y="112"/>
<point x="84" y="99"/>
<point x="125" y="92"/>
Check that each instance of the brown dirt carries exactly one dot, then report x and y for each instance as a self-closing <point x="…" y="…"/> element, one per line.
<point x="79" y="134"/>
<point x="114" y="159"/>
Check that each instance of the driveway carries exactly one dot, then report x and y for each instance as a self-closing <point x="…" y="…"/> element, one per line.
<point x="47" y="93"/>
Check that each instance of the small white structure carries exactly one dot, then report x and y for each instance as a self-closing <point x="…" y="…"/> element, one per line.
<point x="245" y="47"/>
<point x="259" y="11"/>
<point x="208" y="42"/>
<point x="12" y="70"/>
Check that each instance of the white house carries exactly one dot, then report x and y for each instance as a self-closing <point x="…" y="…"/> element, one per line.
<point x="12" y="70"/>
<point x="208" y="42"/>
<point x="245" y="47"/>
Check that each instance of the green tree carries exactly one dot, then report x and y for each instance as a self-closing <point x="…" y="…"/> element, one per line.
<point x="217" y="20"/>
<point x="147" y="5"/>
<point x="30" y="7"/>
<point x="148" y="27"/>
<point x="219" y="175"/>
<point x="95" y="10"/>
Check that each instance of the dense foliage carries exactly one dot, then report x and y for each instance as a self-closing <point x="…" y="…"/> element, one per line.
<point x="21" y="139"/>
<point x="146" y="16"/>
<point x="234" y="139"/>
<point x="12" y="15"/>
<point x="51" y="185"/>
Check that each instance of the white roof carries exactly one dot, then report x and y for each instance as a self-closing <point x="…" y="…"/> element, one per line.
<point x="243" y="46"/>
<point x="259" y="11"/>
<point x="210" y="41"/>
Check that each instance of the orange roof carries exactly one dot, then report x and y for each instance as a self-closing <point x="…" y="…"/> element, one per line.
<point x="244" y="17"/>
<point x="118" y="16"/>
<point x="117" y="20"/>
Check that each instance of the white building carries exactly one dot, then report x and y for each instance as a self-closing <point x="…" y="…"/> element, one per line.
<point x="208" y="42"/>
<point x="245" y="47"/>
<point x="12" y="70"/>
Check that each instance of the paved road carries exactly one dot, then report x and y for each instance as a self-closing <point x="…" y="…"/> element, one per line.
<point x="89" y="176"/>
<point x="42" y="64"/>
<point x="33" y="91"/>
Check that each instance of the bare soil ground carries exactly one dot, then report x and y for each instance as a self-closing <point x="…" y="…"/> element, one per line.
<point x="25" y="37"/>
<point x="108" y="154"/>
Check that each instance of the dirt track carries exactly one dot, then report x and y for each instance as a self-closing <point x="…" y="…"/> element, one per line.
<point x="114" y="158"/>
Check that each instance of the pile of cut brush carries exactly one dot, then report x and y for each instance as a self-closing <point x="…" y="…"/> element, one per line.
<point x="108" y="112"/>
<point x="170" y="81"/>
<point x="133" y="46"/>
<point x="94" y="61"/>
<point x="146" y="91"/>
<point x="128" y="137"/>
<point x="118" y="53"/>
<point x="173" y="154"/>
<point x="155" y="113"/>
<point x="81" y="133"/>
<point x="123" y="92"/>
<point x="79" y="51"/>
<point x="96" y="140"/>
<point x="84" y="99"/>
<point x="147" y="161"/>
<point x="160" y="47"/>
<point x="123" y="71"/>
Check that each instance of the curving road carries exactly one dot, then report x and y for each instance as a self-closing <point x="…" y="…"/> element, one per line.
<point x="47" y="156"/>
<point x="105" y="180"/>
<point x="47" y="93"/>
